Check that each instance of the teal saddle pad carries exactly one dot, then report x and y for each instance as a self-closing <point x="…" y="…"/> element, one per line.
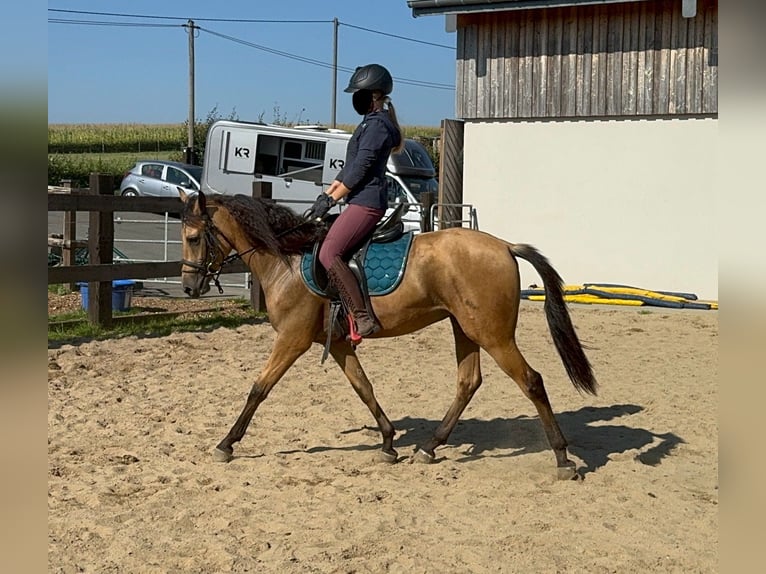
<point x="384" y="266"/>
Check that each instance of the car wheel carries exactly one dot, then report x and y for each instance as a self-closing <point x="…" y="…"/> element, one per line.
<point x="130" y="193"/>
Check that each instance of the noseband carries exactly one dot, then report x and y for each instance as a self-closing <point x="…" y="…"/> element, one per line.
<point x="213" y="245"/>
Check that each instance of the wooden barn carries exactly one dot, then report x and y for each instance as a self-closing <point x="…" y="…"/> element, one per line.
<point x="589" y="129"/>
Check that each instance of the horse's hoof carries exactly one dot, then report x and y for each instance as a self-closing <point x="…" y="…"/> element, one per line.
<point x="568" y="472"/>
<point x="423" y="457"/>
<point x="389" y="457"/>
<point x="220" y="455"/>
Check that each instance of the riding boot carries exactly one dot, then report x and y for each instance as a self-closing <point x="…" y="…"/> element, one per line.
<point x="344" y="281"/>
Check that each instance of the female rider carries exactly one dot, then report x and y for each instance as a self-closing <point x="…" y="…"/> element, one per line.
<point x="362" y="182"/>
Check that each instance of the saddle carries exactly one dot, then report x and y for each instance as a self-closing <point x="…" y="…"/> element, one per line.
<point x="387" y="230"/>
<point x="385" y="249"/>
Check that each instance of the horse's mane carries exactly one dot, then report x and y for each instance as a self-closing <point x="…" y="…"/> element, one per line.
<point x="270" y="227"/>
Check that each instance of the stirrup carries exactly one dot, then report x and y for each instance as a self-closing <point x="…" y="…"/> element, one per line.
<point x="353" y="334"/>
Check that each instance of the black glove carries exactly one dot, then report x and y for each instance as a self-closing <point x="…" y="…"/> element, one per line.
<point x="322" y="205"/>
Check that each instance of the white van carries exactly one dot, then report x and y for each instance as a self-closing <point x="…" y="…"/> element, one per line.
<point x="303" y="161"/>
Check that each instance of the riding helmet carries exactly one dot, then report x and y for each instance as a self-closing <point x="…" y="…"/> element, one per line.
<point x="373" y="77"/>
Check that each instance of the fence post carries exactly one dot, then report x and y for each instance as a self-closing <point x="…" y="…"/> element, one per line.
<point x="426" y="200"/>
<point x="451" y="173"/>
<point x="100" y="250"/>
<point x="261" y="190"/>
<point x="68" y="249"/>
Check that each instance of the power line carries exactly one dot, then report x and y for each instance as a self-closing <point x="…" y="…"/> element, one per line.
<point x="106" y="23"/>
<point x="270" y="50"/>
<point x="397" y="36"/>
<point x="243" y="20"/>
<point x="311" y="61"/>
<point x="240" y="20"/>
<point x="419" y="83"/>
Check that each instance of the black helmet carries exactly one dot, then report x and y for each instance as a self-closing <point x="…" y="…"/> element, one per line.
<point x="371" y="77"/>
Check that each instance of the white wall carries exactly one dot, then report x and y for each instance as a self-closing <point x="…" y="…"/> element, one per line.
<point x="613" y="201"/>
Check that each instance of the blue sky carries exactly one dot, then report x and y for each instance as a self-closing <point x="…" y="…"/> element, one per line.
<point x="109" y="73"/>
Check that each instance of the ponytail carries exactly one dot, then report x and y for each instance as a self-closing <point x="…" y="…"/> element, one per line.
<point x="392" y="116"/>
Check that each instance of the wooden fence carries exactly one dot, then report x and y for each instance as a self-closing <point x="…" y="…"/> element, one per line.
<point x="100" y="201"/>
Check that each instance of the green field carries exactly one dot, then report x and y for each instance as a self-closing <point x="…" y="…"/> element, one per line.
<point x="114" y="138"/>
<point x="77" y="167"/>
<point x="77" y="150"/>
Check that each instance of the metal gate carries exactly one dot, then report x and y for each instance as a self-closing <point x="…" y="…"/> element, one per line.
<point x="166" y="247"/>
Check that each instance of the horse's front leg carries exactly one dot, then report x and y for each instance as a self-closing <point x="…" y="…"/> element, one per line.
<point x="285" y="352"/>
<point x="344" y="355"/>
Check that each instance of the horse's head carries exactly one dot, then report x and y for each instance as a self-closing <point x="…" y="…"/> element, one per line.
<point x="204" y="249"/>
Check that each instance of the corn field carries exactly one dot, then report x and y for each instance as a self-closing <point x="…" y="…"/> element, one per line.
<point x="76" y="150"/>
<point x="115" y="138"/>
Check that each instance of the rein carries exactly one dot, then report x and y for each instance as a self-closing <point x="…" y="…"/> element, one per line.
<point x="294" y="228"/>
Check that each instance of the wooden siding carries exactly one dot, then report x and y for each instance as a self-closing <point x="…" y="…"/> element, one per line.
<point x="636" y="58"/>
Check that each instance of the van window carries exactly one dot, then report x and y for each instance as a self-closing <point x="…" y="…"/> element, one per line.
<point x="293" y="150"/>
<point x="315" y="150"/>
<point x="288" y="157"/>
<point x="267" y="155"/>
<point x="303" y="170"/>
<point x="302" y="159"/>
<point x="266" y="164"/>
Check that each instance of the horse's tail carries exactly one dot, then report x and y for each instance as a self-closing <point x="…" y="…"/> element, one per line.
<point x="564" y="336"/>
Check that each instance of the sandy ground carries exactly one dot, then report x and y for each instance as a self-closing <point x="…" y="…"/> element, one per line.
<point x="133" y="488"/>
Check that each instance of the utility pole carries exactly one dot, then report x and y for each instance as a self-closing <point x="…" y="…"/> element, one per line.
<point x="334" y="70"/>
<point x="190" y="155"/>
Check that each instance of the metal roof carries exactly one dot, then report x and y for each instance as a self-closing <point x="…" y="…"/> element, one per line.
<point x="427" y="7"/>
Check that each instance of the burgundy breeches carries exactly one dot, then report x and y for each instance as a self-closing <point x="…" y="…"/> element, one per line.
<point x="346" y="233"/>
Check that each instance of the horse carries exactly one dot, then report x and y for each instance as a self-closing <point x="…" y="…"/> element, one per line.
<point x="467" y="276"/>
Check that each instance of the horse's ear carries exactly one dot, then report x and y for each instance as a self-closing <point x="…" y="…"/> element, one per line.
<point x="201" y="202"/>
<point x="182" y="194"/>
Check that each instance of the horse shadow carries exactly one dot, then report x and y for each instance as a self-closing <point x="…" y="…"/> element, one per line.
<point x="589" y="440"/>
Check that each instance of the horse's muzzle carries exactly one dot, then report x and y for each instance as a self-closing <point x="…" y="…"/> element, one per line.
<point x="196" y="285"/>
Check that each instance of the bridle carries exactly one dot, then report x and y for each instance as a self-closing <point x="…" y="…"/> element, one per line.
<point x="213" y="246"/>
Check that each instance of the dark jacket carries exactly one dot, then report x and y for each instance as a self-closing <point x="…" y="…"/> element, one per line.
<point x="364" y="171"/>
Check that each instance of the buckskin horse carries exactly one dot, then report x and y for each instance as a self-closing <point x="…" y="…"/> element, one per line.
<point x="466" y="276"/>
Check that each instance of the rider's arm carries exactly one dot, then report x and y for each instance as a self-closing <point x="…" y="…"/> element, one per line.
<point x="338" y="190"/>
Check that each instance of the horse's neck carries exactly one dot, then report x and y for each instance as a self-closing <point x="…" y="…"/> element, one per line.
<point x="270" y="270"/>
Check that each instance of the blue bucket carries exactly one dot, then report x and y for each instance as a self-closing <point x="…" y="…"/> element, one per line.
<point x="122" y="294"/>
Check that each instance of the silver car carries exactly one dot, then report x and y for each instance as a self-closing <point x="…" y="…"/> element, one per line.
<point x="159" y="178"/>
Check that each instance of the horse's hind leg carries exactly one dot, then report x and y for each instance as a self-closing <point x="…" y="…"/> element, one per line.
<point x="287" y="348"/>
<point x="468" y="382"/>
<point x="509" y="359"/>
<point x="344" y="355"/>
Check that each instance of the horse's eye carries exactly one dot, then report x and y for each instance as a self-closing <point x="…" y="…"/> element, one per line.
<point x="193" y="240"/>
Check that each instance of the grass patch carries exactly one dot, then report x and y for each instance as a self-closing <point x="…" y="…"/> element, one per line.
<point x="74" y="327"/>
<point x="59" y="289"/>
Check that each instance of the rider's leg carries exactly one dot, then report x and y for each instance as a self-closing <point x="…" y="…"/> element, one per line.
<point x="344" y="281"/>
<point x="348" y="232"/>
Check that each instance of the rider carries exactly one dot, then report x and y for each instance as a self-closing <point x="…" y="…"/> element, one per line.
<point x="362" y="182"/>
